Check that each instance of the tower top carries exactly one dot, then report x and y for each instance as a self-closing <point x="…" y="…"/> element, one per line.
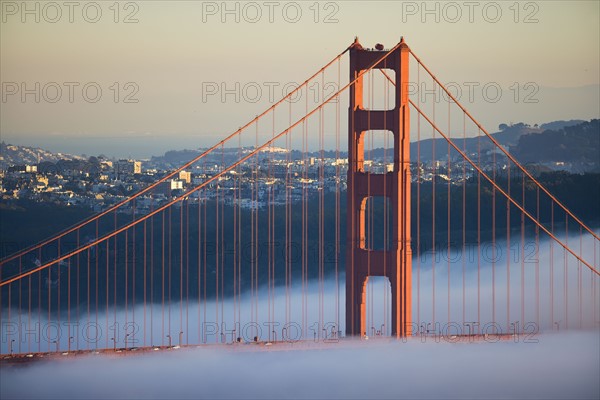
<point x="356" y="44"/>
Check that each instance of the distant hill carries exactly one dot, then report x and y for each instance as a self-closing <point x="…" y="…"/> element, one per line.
<point x="509" y="136"/>
<point x="24" y="155"/>
<point x="558" y="125"/>
<point x="573" y="141"/>
<point x="176" y="157"/>
<point x="578" y="145"/>
<point x="576" y="141"/>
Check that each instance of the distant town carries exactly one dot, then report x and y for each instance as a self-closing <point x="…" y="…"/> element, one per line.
<point x="275" y="176"/>
<point x="97" y="182"/>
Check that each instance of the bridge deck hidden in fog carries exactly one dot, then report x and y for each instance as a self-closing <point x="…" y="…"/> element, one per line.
<point x="462" y="243"/>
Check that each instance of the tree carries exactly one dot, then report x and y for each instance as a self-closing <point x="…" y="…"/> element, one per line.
<point x="502" y="127"/>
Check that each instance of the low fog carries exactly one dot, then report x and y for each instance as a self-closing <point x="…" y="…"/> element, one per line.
<point x="552" y="364"/>
<point x="320" y="311"/>
<point x="558" y="366"/>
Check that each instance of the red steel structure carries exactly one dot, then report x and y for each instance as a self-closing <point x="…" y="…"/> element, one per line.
<point x="363" y="262"/>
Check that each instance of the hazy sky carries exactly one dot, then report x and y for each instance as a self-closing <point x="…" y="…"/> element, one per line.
<point x="170" y="51"/>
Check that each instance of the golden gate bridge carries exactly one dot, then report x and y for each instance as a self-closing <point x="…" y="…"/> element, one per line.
<point x="466" y="242"/>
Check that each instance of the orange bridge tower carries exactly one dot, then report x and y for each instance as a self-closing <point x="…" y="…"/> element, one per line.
<point x="393" y="262"/>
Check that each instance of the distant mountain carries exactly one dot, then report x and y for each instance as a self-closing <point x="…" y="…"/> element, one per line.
<point x="424" y="149"/>
<point x="23" y="155"/>
<point x="558" y="125"/>
<point x="176" y="156"/>
<point x="578" y="145"/>
<point x="573" y="141"/>
<point x="509" y="136"/>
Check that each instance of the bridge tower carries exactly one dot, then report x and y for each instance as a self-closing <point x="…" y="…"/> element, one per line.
<point x="395" y="262"/>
